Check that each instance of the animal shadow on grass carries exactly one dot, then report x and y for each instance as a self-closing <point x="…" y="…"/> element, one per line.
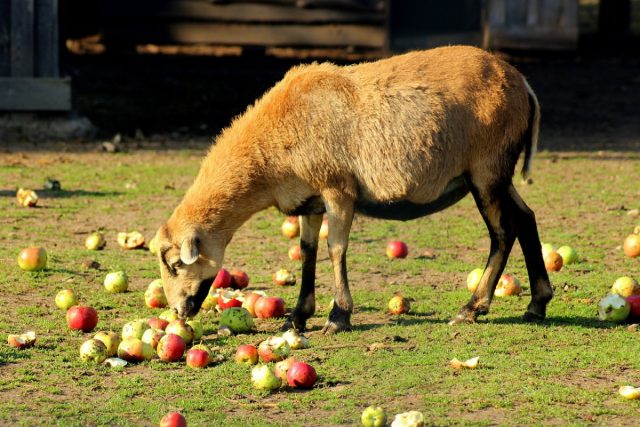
<point x="64" y="194"/>
<point x="552" y="321"/>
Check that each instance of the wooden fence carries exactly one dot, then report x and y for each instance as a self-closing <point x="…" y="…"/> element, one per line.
<point x="29" y="57"/>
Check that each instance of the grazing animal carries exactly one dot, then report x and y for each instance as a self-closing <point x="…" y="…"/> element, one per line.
<point x="398" y="138"/>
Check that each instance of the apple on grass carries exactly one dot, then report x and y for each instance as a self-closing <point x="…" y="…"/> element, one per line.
<point x="180" y="327"/>
<point x="222" y="279"/>
<point x="613" y="308"/>
<point x="283" y="366"/>
<point x="32" y="259"/>
<point x="625" y="286"/>
<point x="269" y="307"/>
<point x="263" y="378"/>
<point x="197" y="358"/>
<point x="473" y="279"/>
<point x="82" y="318"/>
<point x="134" y="350"/>
<point x="284" y="277"/>
<point x="408" y="419"/>
<point x="546" y="248"/>
<point x="158" y="323"/>
<point x="211" y="300"/>
<point x="397" y="249"/>
<point x="22" y="341"/>
<point x="295" y="253"/>
<point x="250" y="299"/>
<point x="246" y="354"/>
<point x="291" y="227"/>
<point x="132" y="240"/>
<point x="239" y="279"/>
<point x="634" y="306"/>
<point x="65" y="299"/>
<point x="111" y="340"/>
<point x="197" y="328"/>
<point x="135" y="329"/>
<point x="93" y="351"/>
<point x="629" y="392"/>
<point x="173" y="419"/>
<point x="153" y="337"/>
<point x="553" y="261"/>
<point x="169" y="315"/>
<point x="95" y="241"/>
<point x="237" y="319"/>
<point x="568" y="254"/>
<point x="273" y="349"/>
<point x="230" y="298"/>
<point x="295" y="340"/>
<point x="398" y="304"/>
<point x="301" y="375"/>
<point x="153" y="246"/>
<point x="116" y="282"/>
<point x="171" y="347"/>
<point x="374" y="416"/>
<point x="507" y="286"/>
<point x="27" y="198"/>
<point x="154" y="296"/>
<point x="631" y="245"/>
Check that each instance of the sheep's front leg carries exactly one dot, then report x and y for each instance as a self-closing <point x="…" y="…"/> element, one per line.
<point x="309" y="230"/>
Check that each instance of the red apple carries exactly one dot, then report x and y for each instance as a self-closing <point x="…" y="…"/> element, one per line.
<point x="295" y="253"/>
<point x="553" y="261"/>
<point x="284" y="277"/>
<point x="397" y="249"/>
<point x="301" y="375"/>
<point x="32" y="259"/>
<point x="634" y="302"/>
<point x="158" y="323"/>
<point x="154" y="296"/>
<point x="134" y="350"/>
<point x="273" y="349"/>
<point x="82" y="318"/>
<point x="197" y="358"/>
<point x="247" y="354"/>
<point x="269" y="307"/>
<point x="283" y="367"/>
<point x="153" y="337"/>
<point x="250" y="300"/>
<point x="239" y="279"/>
<point x="632" y="245"/>
<point x="171" y="347"/>
<point x="222" y="280"/>
<point x="398" y="304"/>
<point x="180" y="327"/>
<point x="228" y="299"/>
<point x="291" y="227"/>
<point x="508" y="286"/>
<point x="324" y="229"/>
<point x="173" y="419"/>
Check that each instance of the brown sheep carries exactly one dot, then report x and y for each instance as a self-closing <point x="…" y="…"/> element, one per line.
<point x="398" y="138"/>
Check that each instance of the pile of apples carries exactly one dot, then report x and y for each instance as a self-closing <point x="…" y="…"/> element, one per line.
<point x="555" y="259"/>
<point x="622" y="303"/>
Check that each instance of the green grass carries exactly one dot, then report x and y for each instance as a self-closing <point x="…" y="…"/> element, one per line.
<point x="565" y="371"/>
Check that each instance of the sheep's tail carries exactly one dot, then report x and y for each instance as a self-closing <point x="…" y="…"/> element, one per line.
<point x="533" y="130"/>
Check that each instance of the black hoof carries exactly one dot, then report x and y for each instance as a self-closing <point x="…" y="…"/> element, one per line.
<point x="295" y="324"/>
<point x="532" y="317"/>
<point x="333" y="327"/>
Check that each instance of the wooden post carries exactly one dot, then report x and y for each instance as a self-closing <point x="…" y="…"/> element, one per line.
<point x="21" y="38"/>
<point x="46" y="39"/>
<point x="5" y="15"/>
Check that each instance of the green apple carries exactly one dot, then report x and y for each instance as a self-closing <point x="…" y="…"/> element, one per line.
<point x="111" y="340"/>
<point x="116" y="282"/>
<point x="237" y="319"/>
<point x="264" y="378"/>
<point x="153" y="336"/>
<point x="66" y="298"/>
<point x="198" y="329"/>
<point x="135" y="329"/>
<point x="546" y="248"/>
<point x="93" y="351"/>
<point x="374" y="416"/>
<point x="473" y="279"/>
<point x="134" y="350"/>
<point x="169" y="315"/>
<point x="613" y="308"/>
<point x="568" y="254"/>
<point x="95" y="241"/>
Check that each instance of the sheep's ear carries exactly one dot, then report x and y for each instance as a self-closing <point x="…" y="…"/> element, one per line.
<point x="189" y="250"/>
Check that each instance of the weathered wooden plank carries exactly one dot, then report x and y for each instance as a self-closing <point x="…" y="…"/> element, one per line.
<point x="257" y="35"/>
<point x="5" y="29"/>
<point x="46" y="38"/>
<point x="21" y="38"/>
<point x="30" y="94"/>
<point x="239" y="13"/>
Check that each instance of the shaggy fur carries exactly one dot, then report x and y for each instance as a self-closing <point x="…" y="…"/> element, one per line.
<point x="332" y="138"/>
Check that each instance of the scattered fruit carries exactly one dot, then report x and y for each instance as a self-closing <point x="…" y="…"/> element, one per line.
<point x="134" y="329"/>
<point x="134" y="350"/>
<point x="553" y="261"/>
<point x="408" y="419"/>
<point x="631" y="245"/>
<point x="247" y="354"/>
<point x="291" y="227"/>
<point x="169" y="315"/>
<point x="154" y="296"/>
<point x="295" y="340"/>
<point x="283" y="366"/>
<point x="65" y="299"/>
<point x="173" y="419"/>
<point x="95" y="241"/>
<point x="153" y="246"/>
<point x="625" y="286"/>
<point x="237" y="319"/>
<point x="473" y="279"/>
<point x="82" y="318"/>
<point x="269" y="307"/>
<point x="629" y="392"/>
<point x="264" y="378"/>
<point x="284" y="277"/>
<point x="634" y="306"/>
<point x="398" y="304"/>
<point x="197" y="358"/>
<point x="273" y="349"/>
<point x="507" y="286"/>
<point x="116" y="282"/>
<point x="469" y="363"/>
<point x="397" y="249"/>
<point x="222" y="279"/>
<point x="111" y="340"/>
<point x="116" y="362"/>
<point x="153" y="337"/>
<point x="198" y="329"/>
<point x="250" y="301"/>
<point x="568" y="254"/>
<point x="546" y="248"/>
<point x="613" y="308"/>
<point x="295" y="253"/>
<point x="26" y="198"/>
<point x="93" y="351"/>
<point x="158" y="323"/>
<point x="301" y="375"/>
<point x="374" y="416"/>
<point x="171" y="347"/>
<point x="26" y="340"/>
<point x="32" y="259"/>
<point x="180" y="327"/>
<point x="133" y="240"/>
<point x="228" y="299"/>
<point x="239" y="279"/>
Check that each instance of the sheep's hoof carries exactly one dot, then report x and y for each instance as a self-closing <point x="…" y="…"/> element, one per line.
<point x="333" y="327"/>
<point x="533" y="317"/>
<point x="463" y="317"/>
<point x="294" y="323"/>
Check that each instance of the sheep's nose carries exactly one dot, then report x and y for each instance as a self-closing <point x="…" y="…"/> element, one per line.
<point x="186" y="308"/>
